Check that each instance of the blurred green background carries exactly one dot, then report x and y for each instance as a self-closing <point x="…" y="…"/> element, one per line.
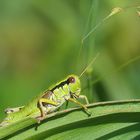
<point x="40" y="44"/>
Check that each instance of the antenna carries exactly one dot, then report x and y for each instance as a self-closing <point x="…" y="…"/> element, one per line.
<point x="93" y="60"/>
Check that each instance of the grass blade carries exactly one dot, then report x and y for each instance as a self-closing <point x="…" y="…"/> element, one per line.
<point x="114" y="119"/>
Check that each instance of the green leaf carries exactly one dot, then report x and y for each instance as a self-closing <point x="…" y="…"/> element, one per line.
<point x="109" y="120"/>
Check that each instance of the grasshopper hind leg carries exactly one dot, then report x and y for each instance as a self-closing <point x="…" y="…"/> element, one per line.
<point x="44" y="100"/>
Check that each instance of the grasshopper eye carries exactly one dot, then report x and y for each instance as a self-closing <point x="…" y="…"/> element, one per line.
<point x="71" y="80"/>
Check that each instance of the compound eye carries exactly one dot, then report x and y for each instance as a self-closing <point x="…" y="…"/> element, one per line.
<point x="71" y="80"/>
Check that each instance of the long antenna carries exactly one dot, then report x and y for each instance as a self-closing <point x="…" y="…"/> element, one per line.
<point x="93" y="60"/>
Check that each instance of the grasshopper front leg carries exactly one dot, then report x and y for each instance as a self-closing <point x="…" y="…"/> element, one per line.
<point x="80" y="104"/>
<point x="84" y="97"/>
<point x="80" y="97"/>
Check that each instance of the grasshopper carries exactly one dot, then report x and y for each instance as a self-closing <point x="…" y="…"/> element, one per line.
<point x="67" y="90"/>
<point x="49" y="101"/>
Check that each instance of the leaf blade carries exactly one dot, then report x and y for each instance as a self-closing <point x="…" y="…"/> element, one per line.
<point x="112" y="115"/>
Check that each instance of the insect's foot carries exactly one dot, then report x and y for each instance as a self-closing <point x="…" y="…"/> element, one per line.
<point x="39" y="119"/>
<point x="88" y="112"/>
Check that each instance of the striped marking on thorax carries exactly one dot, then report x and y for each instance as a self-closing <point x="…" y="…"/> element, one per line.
<point x="60" y="85"/>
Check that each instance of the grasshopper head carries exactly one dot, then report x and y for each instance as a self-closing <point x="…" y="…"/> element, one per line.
<point x="74" y="84"/>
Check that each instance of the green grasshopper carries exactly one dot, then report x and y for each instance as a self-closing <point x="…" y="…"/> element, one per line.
<point x="49" y="101"/>
<point x="67" y="90"/>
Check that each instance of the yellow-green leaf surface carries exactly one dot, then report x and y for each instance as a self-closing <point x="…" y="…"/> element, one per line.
<point x="109" y="120"/>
